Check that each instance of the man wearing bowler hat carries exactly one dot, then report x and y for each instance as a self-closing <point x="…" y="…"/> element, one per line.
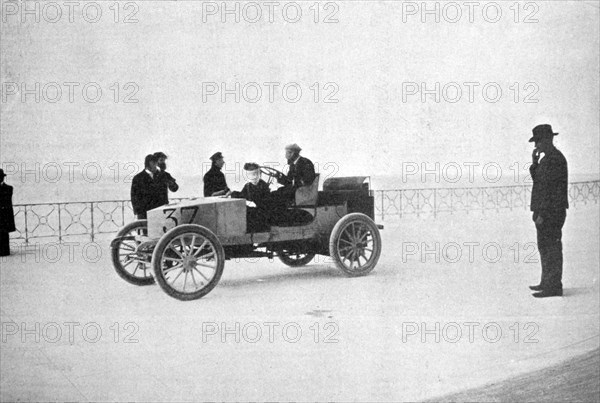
<point x="7" y="215"/>
<point x="549" y="204"/>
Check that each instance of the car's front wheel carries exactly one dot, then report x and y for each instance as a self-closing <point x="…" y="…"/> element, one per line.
<point x="188" y="262"/>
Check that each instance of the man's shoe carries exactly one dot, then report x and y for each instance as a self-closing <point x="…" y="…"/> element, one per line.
<point x="548" y="293"/>
<point x="536" y="287"/>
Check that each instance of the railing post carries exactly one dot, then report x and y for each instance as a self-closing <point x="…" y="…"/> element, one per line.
<point x="400" y="208"/>
<point x="92" y="216"/>
<point x="26" y="227"/>
<point x="483" y="200"/>
<point x="59" y="226"/>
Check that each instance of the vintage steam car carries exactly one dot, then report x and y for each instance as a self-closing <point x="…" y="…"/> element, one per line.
<point x="183" y="246"/>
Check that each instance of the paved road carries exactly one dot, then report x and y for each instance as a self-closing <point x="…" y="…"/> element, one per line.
<point x="427" y="322"/>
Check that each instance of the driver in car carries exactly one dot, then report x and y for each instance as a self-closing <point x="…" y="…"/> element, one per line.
<point x="256" y="193"/>
<point x="301" y="173"/>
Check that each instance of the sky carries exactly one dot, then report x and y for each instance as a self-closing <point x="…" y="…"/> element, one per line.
<point x="360" y="69"/>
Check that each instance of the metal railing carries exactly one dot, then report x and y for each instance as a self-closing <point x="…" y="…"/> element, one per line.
<point x="435" y="201"/>
<point x="63" y="221"/>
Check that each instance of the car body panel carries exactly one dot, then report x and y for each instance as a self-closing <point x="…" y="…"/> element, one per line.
<point x="224" y="217"/>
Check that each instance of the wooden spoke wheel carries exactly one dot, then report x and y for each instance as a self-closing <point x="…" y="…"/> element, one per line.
<point x="188" y="262"/>
<point x="355" y="244"/>
<point x="129" y="262"/>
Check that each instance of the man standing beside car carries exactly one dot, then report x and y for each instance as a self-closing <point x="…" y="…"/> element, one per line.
<point x="166" y="181"/>
<point x="145" y="188"/>
<point x="549" y="204"/>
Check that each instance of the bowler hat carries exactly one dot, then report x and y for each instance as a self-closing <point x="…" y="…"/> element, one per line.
<point x="2" y="175"/>
<point x="216" y="156"/>
<point x="541" y="131"/>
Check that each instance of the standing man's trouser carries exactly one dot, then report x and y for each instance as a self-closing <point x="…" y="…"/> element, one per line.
<point x="4" y="243"/>
<point x="549" y="242"/>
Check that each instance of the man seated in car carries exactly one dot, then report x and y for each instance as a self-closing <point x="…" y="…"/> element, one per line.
<point x="301" y="173"/>
<point x="256" y="193"/>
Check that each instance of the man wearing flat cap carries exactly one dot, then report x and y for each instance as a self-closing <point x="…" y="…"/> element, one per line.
<point x="214" y="180"/>
<point x="7" y="215"/>
<point x="301" y="173"/>
<point x="549" y="204"/>
<point x="256" y="192"/>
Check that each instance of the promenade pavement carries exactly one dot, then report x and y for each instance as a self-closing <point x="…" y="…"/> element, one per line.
<point x="427" y="322"/>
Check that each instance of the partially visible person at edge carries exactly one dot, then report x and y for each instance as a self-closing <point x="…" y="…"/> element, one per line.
<point x="214" y="180"/>
<point x="166" y="181"/>
<point x="7" y="215"/>
<point x="549" y="204"/>
<point x="256" y="193"/>
<point x="146" y="188"/>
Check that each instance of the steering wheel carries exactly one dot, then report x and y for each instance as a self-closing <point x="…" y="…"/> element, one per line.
<point x="272" y="173"/>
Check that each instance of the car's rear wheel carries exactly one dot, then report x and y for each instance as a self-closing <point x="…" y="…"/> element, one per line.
<point x="295" y="259"/>
<point x="355" y="244"/>
<point x="129" y="262"/>
<point x="188" y="262"/>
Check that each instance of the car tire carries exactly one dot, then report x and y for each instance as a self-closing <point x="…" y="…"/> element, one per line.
<point x="295" y="259"/>
<point x="173" y="257"/>
<point x="353" y="237"/>
<point x="125" y="244"/>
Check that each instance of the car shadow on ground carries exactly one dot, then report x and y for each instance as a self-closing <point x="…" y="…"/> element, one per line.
<point x="299" y="275"/>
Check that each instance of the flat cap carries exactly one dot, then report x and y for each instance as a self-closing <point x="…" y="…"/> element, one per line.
<point x="293" y="147"/>
<point x="216" y="156"/>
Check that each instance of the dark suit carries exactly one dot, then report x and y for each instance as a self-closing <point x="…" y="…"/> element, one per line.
<point x="256" y="217"/>
<point x="7" y="218"/>
<point x="167" y="182"/>
<point x="301" y="173"/>
<point x="145" y="193"/>
<point x="550" y="200"/>
<point x="214" y="181"/>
